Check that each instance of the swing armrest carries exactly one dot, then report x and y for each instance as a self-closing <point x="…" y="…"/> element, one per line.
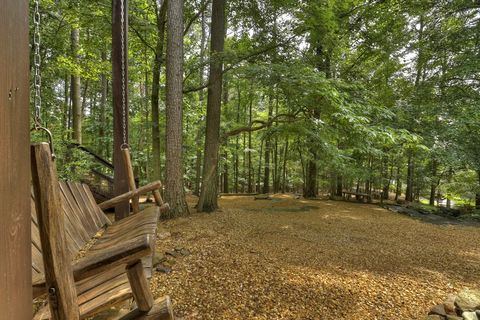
<point x="123" y="253"/>
<point x="130" y="195"/>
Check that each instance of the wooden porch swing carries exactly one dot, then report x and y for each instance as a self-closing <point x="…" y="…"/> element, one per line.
<point x="82" y="261"/>
<point x="111" y="269"/>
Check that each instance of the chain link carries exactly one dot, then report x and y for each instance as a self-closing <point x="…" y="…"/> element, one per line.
<point x="124" y="102"/>
<point x="37" y="62"/>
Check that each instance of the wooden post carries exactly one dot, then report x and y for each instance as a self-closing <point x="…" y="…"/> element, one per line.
<point x="120" y="183"/>
<point x="140" y="289"/>
<point x="62" y="295"/>
<point x="131" y="179"/>
<point x="15" y="243"/>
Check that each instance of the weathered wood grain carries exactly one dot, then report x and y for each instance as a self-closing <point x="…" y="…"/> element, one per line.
<point x="138" y="282"/>
<point x="15" y="251"/>
<point x="57" y="260"/>
<point x="131" y="179"/>
<point x="129" y="195"/>
<point x="162" y="310"/>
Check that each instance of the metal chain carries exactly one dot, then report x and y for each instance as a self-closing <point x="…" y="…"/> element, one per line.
<point x="124" y="102"/>
<point x="36" y="62"/>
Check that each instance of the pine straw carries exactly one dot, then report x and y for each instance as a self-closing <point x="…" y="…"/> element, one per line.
<point x="298" y="259"/>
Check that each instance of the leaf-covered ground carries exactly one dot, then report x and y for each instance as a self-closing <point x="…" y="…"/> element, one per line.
<point x="300" y="259"/>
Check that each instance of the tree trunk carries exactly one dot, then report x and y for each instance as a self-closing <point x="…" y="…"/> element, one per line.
<point x="268" y="150"/>
<point x="201" y="98"/>
<point x="76" y="99"/>
<point x="225" y="174"/>
<point x="66" y="106"/>
<point x="174" y="192"/>
<point x="284" y="171"/>
<point x="208" y="194"/>
<point x="410" y="173"/>
<point x="103" y="147"/>
<point x="433" y="185"/>
<point x="250" y="166"/>
<point x="477" y="195"/>
<point x="157" y="66"/>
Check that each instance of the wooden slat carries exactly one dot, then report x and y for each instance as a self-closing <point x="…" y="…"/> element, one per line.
<point x="84" y="210"/>
<point x="101" y="215"/>
<point x="107" y="299"/>
<point x="85" y="222"/>
<point x="69" y="204"/>
<point x="92" y="209"/>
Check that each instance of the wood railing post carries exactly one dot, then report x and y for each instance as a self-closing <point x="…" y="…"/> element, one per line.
<point x="140" y="289"/>
<point x="56" y="257"/>
<point x="131" y="179"/>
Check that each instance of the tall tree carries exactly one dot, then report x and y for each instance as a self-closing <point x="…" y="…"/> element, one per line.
<point x="174" y="192"/>
<point x="76" y="88"/>
<point x="160" y="15"/>
<point x="208" y="193"/>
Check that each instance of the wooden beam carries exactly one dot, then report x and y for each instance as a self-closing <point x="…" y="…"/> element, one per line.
<point x="56" y="258"/>
<point x="140" y="289"/>
<point x="120" y="174"/>
<point x="162" y="310"/>
<point x="129" y="195"/>
<point x="15" y="249"/>
<point x="131" y="179"/>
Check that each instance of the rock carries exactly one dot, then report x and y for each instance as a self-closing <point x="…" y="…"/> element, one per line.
<point x="184" y="252"/>
<point x="158" y="258"/>
<point x="452" y="317"/>
<point x="469" y="315"/>
<point x="163" y="235"/>
<point x="173" y="253"/>
<point x="163" y="268"/>
<point x="449" y="304"/>
<point x="439" y="309"/>
<point x="468" y="300"/>
<point x="434" y="317"/>
<point x="478" y="313"/>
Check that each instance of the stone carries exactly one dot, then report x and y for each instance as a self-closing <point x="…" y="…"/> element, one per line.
<point x="158" y="258"/>
<point x="173" y="253"/>
<point x="439" y="309"/>
<point x="184" y="252"/>
<point x="434" y="317"/>
<point x="163" y="268"/>
<point x="452" y="317"/>
<point x="449" y="304"/>
<point x="163" y="235"/>
<point x="478" y="313"/>
<point x="468" y="300"/>
<point x="468" y="315"/>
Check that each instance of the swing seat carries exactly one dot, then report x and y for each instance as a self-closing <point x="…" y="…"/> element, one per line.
<point x="108" y="262"/>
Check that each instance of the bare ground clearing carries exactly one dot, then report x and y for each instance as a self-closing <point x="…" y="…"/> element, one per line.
<point x="301" y="259"/>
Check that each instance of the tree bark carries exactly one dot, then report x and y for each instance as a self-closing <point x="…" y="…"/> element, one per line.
<point x="174" y="192"/>
<point x="157" y="66"/>
<point x="103" y="107"/>
<point x="208" y="195"/>
<point x="410" y="173"/>
<point x="201" y="98"/>
<point x="250" y="166"/>
<point x="268" y="150"/>
<point x="75" y="91"/>
<point x="433" y="185"/>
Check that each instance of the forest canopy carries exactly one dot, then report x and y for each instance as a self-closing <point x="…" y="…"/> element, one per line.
<point x="310" y="96"/>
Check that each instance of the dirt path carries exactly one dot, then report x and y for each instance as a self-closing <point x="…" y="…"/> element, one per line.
<point x="297" y="259"/>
